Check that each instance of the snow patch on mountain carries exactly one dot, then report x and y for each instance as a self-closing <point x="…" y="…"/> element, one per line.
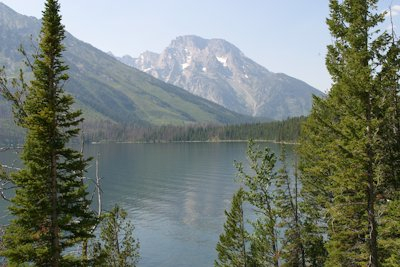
<point x="222" y="60"/>
<point x="219" y="71"/>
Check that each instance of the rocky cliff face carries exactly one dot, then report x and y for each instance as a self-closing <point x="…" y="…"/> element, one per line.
<point x="218" y="71"/>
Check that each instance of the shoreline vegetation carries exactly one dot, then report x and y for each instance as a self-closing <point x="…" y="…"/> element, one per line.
<point x="195" y="141"/>
<point x="286" y="132"/>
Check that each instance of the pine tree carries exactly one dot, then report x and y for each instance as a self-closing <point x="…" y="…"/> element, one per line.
<point x="232" y="243"/>
<point x="349" y="145"/>
<point x="287" y="204"/>
<point x="50" y="209"/>
<point x="118" y="246"/>
<point x="264" y="240"/>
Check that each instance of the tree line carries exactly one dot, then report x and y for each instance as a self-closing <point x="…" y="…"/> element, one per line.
<point x="279" y="131"/>
<point x="347" y="212"/>
<point x="105" y="131"/>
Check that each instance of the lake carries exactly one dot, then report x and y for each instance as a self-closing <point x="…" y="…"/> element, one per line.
<point x="175" y="194"/>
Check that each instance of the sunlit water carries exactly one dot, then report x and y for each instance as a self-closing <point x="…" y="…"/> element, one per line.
<point x="175" y="195"/>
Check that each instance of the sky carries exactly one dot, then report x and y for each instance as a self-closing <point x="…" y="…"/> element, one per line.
<point x="288" y="36"/>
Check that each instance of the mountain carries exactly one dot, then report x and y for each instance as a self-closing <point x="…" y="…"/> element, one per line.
<point x="106" y="89"/>
<point x="218" y="71"/>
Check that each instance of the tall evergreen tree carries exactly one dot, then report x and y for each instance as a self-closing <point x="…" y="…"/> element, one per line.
<point x="281" y="235"/>
<point x="287" y="204"/>
<point x="232" y="243"/>
<point x="349" y="146"/>
<point x="265" y="249"/>
<point x="50" y="209"/>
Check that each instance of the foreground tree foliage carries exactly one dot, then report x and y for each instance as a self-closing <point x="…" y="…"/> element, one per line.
<point x="231" y="247"/>
<point x="264" y="247"/>
<point x="288" y="209"/>
<point x="350" y="143"/>
<point x="276" y="234"/>
<point x="50" y="208"/>
<point x="117" y="246"/>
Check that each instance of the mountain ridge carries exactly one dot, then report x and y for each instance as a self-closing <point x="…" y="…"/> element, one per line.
<point x="220" y="72"/>
<point x="106" y="89"/>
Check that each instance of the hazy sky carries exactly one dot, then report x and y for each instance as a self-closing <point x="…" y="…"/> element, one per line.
<point x="288" y="36"/>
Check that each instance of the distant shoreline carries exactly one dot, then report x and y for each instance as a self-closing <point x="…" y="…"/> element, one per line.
<point x="199" y="141"/>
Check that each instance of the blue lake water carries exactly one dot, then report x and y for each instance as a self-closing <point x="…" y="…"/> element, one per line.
<point x="174" y="193"/>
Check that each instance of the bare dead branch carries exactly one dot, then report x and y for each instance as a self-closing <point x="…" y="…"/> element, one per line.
<point x="391" y="22"/>
<point x="98" y="189"/>
<point x="5" y="185"/>
<point x="27" y="60"/>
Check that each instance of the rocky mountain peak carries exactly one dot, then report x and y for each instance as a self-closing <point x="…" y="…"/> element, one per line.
<point x="202" y="49"/>
<point x="189" y="41"/>
<point x="218" y="71"/>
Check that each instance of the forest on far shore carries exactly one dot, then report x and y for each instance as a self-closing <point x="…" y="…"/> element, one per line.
<point x="278" y="131"/>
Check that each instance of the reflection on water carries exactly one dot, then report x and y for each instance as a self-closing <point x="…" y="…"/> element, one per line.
<point x="175" y="194"/>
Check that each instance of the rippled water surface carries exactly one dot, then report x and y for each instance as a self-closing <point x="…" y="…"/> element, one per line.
<point x="175" y="194"/>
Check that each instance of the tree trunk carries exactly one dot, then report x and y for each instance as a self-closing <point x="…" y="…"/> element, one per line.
<point x="298" y="230"/>
<point x="54" y="216"/>
<point x="274" y="238"/>
<point x="371" y="194"/>
<point x="243" y="236"/>
<point x="372" y="225"/>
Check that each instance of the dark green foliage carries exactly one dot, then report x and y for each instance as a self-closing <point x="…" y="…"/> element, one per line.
<point x="275" y="238"/>
<point x="265" y="249"/>
<point x="50" y="209"/>
<point x="281" y="232"/>
<point x="389" y="234"/>
<point x="350" y="142"/>
<point x="232" y="243"/>
<point x="118" y="246"/>
<point x="279" y="131"/>
<point x="287" y="205"/>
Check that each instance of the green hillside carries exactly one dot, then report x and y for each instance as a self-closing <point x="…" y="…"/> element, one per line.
<point x="104" y="88"/>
